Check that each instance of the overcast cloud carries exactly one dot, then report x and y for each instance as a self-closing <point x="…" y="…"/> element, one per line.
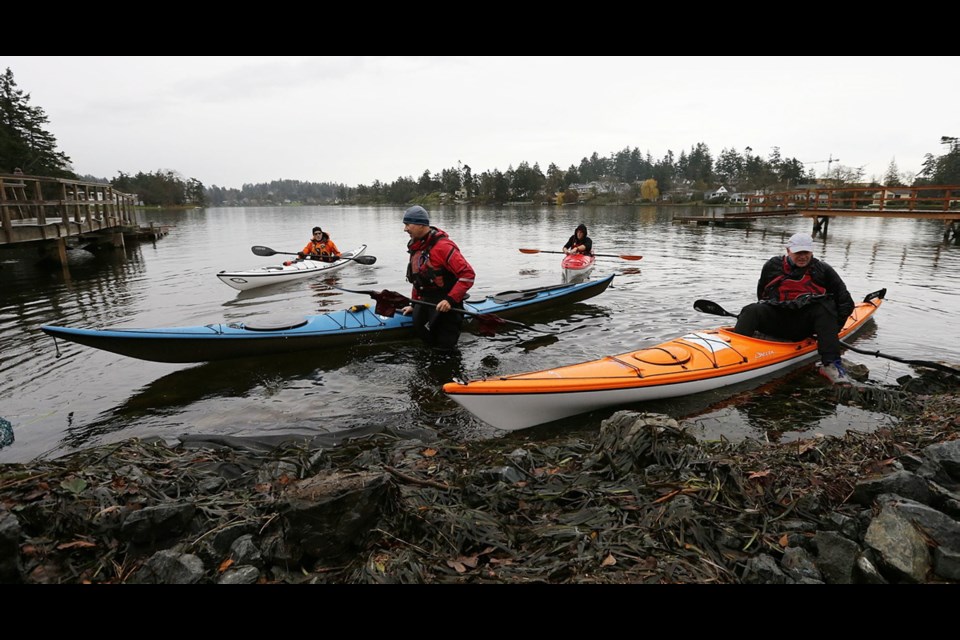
<point x="230" y="121"/>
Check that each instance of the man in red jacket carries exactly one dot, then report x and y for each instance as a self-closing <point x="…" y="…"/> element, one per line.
<point x="441" y="277"/>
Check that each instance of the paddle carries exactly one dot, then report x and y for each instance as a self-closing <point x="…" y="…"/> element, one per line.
<point x="267" y="251"/>
<point x="388" y="301"/>
<point x="599" y="255"/>
<point x="706" y="306"/>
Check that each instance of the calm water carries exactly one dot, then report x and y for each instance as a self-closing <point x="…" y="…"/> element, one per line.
<point x="88" y="397"/>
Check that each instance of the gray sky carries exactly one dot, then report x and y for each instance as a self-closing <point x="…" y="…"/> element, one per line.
<point x="229" y="121"/>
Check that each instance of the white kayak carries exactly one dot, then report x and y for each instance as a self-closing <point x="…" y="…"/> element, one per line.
<point x="287" y="272"/>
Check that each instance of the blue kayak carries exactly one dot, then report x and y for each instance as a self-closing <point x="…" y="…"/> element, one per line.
<point x="359" y="323"/>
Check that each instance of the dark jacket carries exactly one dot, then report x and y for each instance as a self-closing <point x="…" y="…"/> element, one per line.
<point x="585" y="241"/>
<point x="820" y="272"/>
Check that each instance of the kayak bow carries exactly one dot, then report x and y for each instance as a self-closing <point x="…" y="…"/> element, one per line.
<point x="576" y="266"/>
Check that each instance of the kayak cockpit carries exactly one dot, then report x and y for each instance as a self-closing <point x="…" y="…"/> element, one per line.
<point x="268" y="324"/>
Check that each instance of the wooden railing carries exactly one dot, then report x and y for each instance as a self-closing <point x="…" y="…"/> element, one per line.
<point x="39" y="201"/>
<point x="932" y="199"/>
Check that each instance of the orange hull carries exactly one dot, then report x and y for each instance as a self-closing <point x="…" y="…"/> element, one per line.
<point x="697" y="362"/>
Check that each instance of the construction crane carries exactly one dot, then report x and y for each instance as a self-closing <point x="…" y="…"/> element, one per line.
<point x="829" y="162"/>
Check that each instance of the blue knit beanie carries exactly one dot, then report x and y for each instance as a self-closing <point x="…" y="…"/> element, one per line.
<point x="416" y="215"/>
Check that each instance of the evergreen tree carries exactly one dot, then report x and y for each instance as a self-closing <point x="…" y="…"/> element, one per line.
<point x="450" y="180"/>
<point x="892" y="179"/>
<point x="24" y="143"/>
<point x="947" y="169"/>
<point x="468" y="181"/>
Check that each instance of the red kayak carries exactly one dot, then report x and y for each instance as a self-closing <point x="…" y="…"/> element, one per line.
<point x="576" y="266"/>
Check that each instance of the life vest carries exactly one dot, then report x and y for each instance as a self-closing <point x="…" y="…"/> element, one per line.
<point x="324" y="248"/>
<point x="421" y="273"/>
<point x="783" y="288"/>
<point x="319" y="248"/>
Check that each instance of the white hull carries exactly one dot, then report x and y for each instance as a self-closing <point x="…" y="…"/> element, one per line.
<point x="296" y="270"/>
<point x="576" y="275"/>
<point x="524" y="410"/>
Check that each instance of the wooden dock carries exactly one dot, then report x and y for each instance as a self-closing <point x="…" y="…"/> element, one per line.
<point x="150" y="231"/>
<point x="723" y="219"/>
<point x="821" y="219"/>
<point x="52" y="212"/>
<point x="933" y="202"/>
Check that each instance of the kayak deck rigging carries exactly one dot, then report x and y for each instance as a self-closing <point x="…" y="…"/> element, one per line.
<point x="268" y="336"/>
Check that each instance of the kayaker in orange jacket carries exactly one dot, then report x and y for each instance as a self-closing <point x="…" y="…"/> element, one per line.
<point x="320" y="247"/>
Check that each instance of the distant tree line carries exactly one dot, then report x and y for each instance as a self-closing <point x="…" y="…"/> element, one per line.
<point x="530" y="183"/>
<point x="26" y="145"/>
<point x="695" y="170"/>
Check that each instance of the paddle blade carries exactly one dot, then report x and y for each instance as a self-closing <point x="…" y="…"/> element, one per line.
<point x="632" y="257"/>
<point x="529" y="250"/>
<point x="365" y="259"/>
<point x="487" y="324"/>
<point x="262" y="251"/>
<point x="706" y="306"/>
<point x="873" y="295"/>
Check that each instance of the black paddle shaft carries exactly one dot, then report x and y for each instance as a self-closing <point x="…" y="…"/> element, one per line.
<point x="267" y="251"/>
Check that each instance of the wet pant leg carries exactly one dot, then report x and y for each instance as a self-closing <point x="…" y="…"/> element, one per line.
<point x="438" y="330"/>
<point x="757" y="317"/>
<point x="775" y="321"/>
<point x="821" y="316"/>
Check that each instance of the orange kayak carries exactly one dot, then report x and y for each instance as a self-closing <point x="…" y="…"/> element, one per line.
<point x="693" y="363"/>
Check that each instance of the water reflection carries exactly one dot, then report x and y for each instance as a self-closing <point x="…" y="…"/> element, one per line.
<point x="798" y="406"/>
<point x="169" y="394"/>
<point x="434" y="368"/>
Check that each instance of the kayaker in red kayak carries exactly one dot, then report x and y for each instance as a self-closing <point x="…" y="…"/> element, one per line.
<point x="801" y="296"/>
<point x="579" y="242"/>
<point x="320" y="247"/>
<point x="440" y="275"/>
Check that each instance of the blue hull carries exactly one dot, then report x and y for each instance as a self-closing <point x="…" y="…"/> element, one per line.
<point x="259" y="338"/>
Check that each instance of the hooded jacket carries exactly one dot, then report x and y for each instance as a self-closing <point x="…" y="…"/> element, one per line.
<point x="585" y="241"/>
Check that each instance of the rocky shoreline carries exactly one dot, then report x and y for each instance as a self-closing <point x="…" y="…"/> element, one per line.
<point x="641" y="501"/>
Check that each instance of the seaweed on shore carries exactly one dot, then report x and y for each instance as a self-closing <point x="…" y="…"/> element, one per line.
<point x="640" y="501"/>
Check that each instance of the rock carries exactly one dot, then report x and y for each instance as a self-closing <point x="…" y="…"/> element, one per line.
<point x="899" y="545"/>
<point x="170" y="567"/>
<point x="10" y="533"/>
<point x="329" y="516"/>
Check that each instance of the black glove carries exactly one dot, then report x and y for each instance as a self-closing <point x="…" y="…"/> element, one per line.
<point x="301" y="255"/>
